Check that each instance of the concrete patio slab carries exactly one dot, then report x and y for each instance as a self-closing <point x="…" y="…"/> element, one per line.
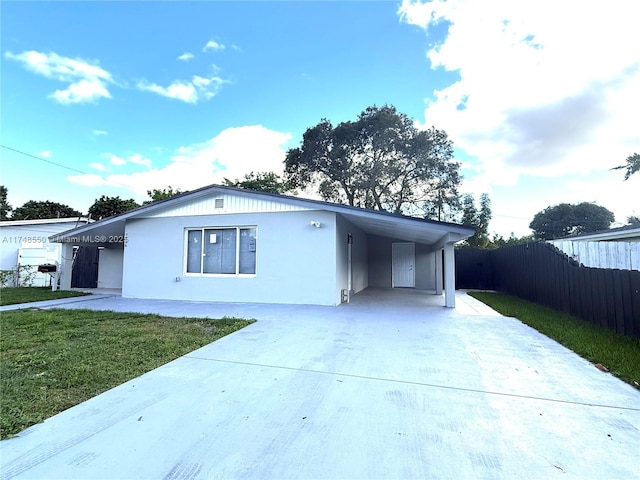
<point x="390" y="386"/>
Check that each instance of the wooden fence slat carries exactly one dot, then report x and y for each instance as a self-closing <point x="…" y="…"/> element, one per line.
<point x="618" y="255"/>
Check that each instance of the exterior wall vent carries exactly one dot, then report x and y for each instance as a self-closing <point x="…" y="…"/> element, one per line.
<point x="219" y="203"/>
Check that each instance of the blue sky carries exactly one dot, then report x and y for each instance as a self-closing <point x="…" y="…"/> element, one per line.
<point x="141" y="95"/>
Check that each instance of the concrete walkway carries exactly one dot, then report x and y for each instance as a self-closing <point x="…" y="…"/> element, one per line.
<point x="58" y="303"/>
<point x="390" y="386"/>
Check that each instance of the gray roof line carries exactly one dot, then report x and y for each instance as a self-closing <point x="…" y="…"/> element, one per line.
<point x="335" y="207"/>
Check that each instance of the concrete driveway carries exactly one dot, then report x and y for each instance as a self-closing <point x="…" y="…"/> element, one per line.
<point x="391" y="386"/>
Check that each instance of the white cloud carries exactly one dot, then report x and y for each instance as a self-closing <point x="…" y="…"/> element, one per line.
<point x="213" y="45"/>
<point x="179" y="90"/>
<point x="99" y="133"/>
<point x="544" y="88"/>
<point x="88" y="180"/>
<point x="45" y="154"/>
<point x="115" y="160"/>
<point x="533" y="96"/>
<point x="87" y="81"/>
<point x="192" y="91"/>
<point x="136" y="158"/>
<point x="140" y="160"/>
<point x="98" y="166"/>
<point x="185" y="57"/>
<point x="230" y="154"/>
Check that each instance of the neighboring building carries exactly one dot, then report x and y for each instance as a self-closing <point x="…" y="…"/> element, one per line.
<point x="233" y="245"/>
<point x="613" y="248"/>
<point x="26" y="242"/>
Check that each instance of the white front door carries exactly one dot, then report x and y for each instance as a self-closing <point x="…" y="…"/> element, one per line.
<point x="402" y="265"/>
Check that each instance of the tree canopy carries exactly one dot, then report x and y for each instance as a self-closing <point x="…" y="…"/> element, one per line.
<point x="105" y="207"/>
<point x="498" y="241"/>
<point x="632" y="166"/>
<point x="33" y="210"/>
<point x="5" y="207"/>
<point x="478" y="218"/>
<point x="568" y="219"/>
<point x="161" y="194"/>
<point x="379" y="161"/>
<point x="262" y="182"/>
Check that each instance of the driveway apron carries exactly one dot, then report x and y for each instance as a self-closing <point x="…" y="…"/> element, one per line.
<point x="390" y="386"/>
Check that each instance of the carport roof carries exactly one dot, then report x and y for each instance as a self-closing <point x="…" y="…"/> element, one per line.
<point x="374" y="222"/>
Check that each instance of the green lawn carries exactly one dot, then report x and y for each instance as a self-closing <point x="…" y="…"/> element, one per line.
<point x="620" y="354"/>
<point x="13" y="295"/>
<point x="51" y="360"/>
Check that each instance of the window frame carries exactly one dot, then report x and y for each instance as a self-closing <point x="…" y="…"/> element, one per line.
<point x="202" y="230"/>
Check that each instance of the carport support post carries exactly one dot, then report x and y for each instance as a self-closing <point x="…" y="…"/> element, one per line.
<point x="66" y="266"/>
<point x="439" y="272"/>
<point x="449" y="276"/>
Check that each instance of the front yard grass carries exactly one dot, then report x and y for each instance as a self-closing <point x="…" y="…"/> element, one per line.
<point x="51" y="360"/>
<point x="620" y="354"/>
<point x="14" y="295"/>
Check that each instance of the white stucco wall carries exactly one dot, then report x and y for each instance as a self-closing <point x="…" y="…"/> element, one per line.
<point x="359" y="266"/>
<point x="294" y="260"/>
<point x="110" y="264"/>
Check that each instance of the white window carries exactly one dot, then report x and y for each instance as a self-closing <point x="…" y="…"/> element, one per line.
<point x="221" y="251"/>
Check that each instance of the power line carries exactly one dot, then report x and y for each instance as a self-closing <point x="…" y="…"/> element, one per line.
<point x="509" y="216"/>
<point x="61" y="165"/>
<point x="44" y="160"/>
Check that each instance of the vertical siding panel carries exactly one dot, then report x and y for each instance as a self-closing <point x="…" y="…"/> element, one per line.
<point x="232" y="204"/>
<point x="566" y="275"/>
<point x="600" y="295"/>
<point x="610" y="295"/>
<point x="618" y="300"/>
<point x="634" y="289"/>
<point x="585" y="295"/>
<point x="627" y="313"/>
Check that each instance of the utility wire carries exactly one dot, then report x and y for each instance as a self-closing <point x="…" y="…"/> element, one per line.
<point x="43" y="159"/>
<point x="129" y="186"/>
<point x="61" y="165"/>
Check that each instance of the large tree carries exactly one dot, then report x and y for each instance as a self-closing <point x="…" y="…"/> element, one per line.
<point x="5" y="207"/>
<point x="380" y="161"/>
<point x="33" y="210"/>
<point x="632" y="166"/>
<point x="262" y="181"/>
<point x="570" y="219"/>
<point x="105" y="207"/>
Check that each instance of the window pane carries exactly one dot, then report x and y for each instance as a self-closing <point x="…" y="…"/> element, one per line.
<point x="194" y="251"/>
<point x="247" y="250"/>
<point x="220" y="251"/>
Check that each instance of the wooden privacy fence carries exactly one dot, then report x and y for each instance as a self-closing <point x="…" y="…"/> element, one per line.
<point x="622" y="255"/>
<point x="541" y="273"/>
